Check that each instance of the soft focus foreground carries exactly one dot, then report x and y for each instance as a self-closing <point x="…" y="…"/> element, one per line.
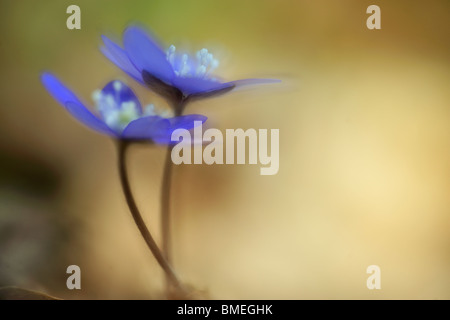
<point x="364" y="173"/>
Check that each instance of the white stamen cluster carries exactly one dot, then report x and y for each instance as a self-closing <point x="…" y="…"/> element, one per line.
<point x="149" y="110"/>
<point x="202" y="68"/>
<point x="118" y="116"/>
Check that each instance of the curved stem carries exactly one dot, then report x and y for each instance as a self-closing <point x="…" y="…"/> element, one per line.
<point x="166" y="185"/>
<point x="170" y="274"/>
<point x="165" y="203"/>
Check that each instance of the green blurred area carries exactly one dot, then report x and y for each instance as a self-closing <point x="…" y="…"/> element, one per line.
<point x="364" y="125"/>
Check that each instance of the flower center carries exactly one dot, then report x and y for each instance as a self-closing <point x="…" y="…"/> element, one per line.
<point x="149" y="110"/>
<point x="186" y="67"/>
<point x="116" y="113"/>
<point x="118" y="106"/>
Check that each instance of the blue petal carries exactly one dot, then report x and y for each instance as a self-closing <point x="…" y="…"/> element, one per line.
<point x="145" y="128"/>
<point x="159" y="129"/>
<point x="183" y="122"/>
<point x="186" y="122"/>
<point x="195" y="85"/>
<point x="145" y="54"/>
<point x="76" y="108"/>
<point x="119" y="57"/>
<point x="59" y="91"/>
<point x="125" y="94"/>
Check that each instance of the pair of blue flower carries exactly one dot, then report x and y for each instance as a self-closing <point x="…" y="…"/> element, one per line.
<point x="177" y="77"/>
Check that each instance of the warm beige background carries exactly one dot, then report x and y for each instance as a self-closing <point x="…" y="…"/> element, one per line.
<point x="364" y="121"/>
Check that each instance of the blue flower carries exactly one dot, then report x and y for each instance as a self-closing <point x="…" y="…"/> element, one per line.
<point x="120" y="114"/>
<point x="174" y="76"/>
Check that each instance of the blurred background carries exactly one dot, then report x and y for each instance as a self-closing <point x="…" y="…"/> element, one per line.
<point x="364" y="121"/>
